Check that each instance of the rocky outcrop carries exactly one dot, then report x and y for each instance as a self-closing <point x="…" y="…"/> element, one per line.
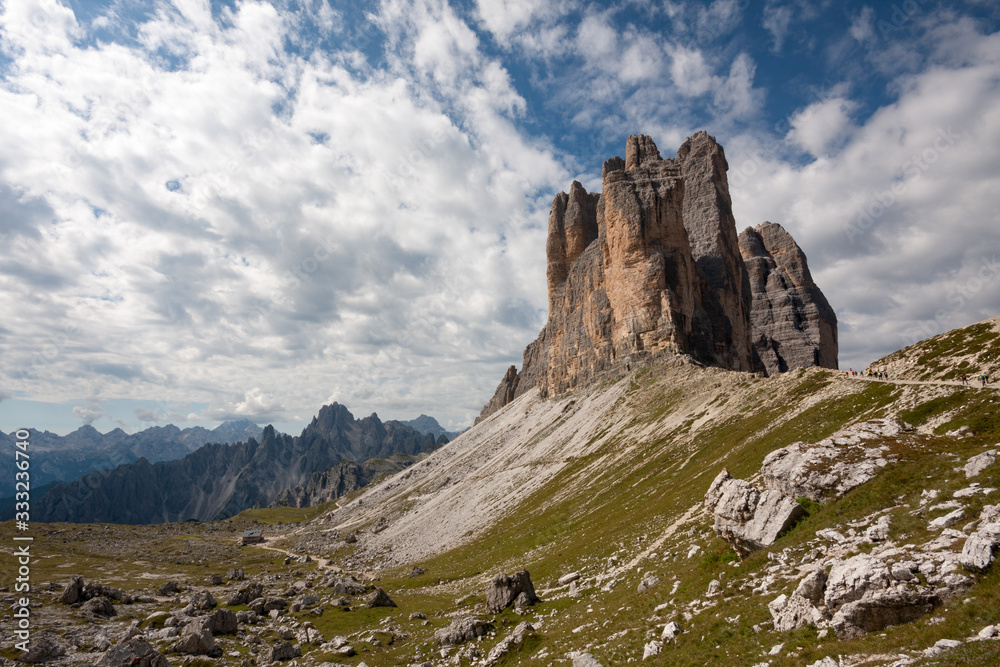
<point x="747" y="518"/>
<point x="833" y="466"/>
<point x="506" y="590"/>
<point x="750" y="519"/>
<point x="219" y="481"/>
<point x="650" y="268"/>
<point x="792" y="323"/>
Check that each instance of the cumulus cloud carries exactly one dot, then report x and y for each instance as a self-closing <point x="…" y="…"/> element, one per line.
<point x="821" y="125"/>
<point x="255" y="405"/>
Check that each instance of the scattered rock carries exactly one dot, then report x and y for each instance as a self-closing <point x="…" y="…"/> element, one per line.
<point x="73" y="592"/>
<point x="879" y="532"/>
<point x="42" y="648"/>
<point x="99" y="606"/>
<point x="136" y="652"/>
<point x="586" y="660"/>
<point x="671" y="631"/>
<point x="790" y="613"/>
<point x="462" y="629"/>
<point x="979" y="463"/>
<point x="169" y="588"/>
<point x="417" y="571"/>
<point x="379" y="599"/>
<point x="504" y="590"/>
<point x="647" y="583"/>
<point x="285" y="651"/>
<point x="567" y="578"/>
<point x="652" y="649"/>
<point x="235" y="574"/>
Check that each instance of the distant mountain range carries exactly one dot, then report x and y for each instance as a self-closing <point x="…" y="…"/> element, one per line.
<point x="218" y="481"/>
<point x="62" y="458"/>
<point x="426" y="424"/>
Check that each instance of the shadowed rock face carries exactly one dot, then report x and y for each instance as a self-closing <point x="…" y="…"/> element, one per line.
<point x="650" y="268"/>
<point x="793" y="324"/>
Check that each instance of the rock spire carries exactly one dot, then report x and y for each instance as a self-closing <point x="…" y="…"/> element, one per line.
<point x="652" y="267"/>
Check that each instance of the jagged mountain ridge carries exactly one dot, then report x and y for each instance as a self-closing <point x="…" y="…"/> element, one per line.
<point x="341" y="479"/>
<point x="86" y="449"/>
<point x="218" y="481"/>
<point x="652" y="267"/>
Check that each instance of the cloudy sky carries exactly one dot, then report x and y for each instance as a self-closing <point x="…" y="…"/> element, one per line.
<point x="249" y="209"/>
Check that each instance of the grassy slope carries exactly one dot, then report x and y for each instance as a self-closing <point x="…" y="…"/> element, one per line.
<point x="971" y="350"/>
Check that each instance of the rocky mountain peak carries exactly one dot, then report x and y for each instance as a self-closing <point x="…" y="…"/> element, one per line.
<point x="640" y="151"/>
<point x="793" y="324"/>
<point x="652" y="267"/>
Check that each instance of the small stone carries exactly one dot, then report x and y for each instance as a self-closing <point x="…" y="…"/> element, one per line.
<point x="567" y="578"/>
<point x="652" y="649"/>
<point x="647" y="583"/>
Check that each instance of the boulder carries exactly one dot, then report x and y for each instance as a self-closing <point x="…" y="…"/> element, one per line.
<point x="505" y="645"/>
<point x="652" y="649"/>
<point x="647" y="583"/>
<point x="813" y="586"/>
<point x="42" y="648"/>
<point x="505" y="589"/>
<point x="136" y="652"/>
<point x="948" y="520"/>
<point x="852" y="579"/>
<point x="73" y="592"/>
<point x="568" y="578"/>
<point x="197" y="639"/>
<point x="169" y="588"/>
<point x="246" y="595"/>
<point x="99" y="606"/>
<point x="586" y="660"/>
<point x="222" y="622"/>
<point x="792" y="612"/>
<point x="977" y="554"/>
<point x="285" y="651"/>
<point x="880" y="610"/>
<point x="833" y="466"/>
<point x="379" y="599"/>
<point x="746" y="518"/>
<point x="203" y="600"/>
<point x="462" y="629"/>
<point x="977" y="464"/>
<point x="671" y="631"/>
<point x="235" y="574"/>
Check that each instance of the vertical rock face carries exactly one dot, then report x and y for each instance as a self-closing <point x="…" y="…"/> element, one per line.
<point x="792" y="323"/>
<point x="722" y="326"/>
<point x="652" y="267"/>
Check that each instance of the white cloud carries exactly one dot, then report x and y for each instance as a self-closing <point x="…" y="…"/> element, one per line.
<point x="821" y="125"/>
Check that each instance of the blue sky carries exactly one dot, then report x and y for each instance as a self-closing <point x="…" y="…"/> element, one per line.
<point x="249" y="209"/>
